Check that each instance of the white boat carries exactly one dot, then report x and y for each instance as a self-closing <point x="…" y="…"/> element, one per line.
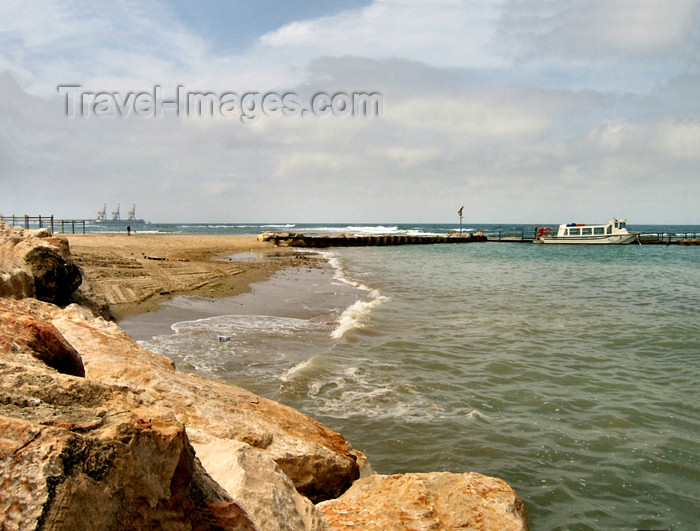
<point x="611" y="233"/>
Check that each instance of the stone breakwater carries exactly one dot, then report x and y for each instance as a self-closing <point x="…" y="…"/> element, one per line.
<point x="287" y="239"/>
<point x="97" y="432"/>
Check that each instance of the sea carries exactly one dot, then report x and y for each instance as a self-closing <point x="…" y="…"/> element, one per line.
<point x="571" y="372"/>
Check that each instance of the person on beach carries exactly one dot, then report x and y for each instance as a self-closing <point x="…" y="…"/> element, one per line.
<point x="128" y="230"/>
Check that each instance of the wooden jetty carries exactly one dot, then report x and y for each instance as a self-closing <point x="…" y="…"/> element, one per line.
<point x="49" y="222"/>
<point x="286" y="239"/>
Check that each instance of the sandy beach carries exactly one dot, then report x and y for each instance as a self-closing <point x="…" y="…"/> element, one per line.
<point x="135" y="273"/>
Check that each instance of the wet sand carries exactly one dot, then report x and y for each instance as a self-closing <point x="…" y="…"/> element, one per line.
<point x="136" y="273"/>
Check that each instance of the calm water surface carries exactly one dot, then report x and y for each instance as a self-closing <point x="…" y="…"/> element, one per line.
<point x="570" y="372"/>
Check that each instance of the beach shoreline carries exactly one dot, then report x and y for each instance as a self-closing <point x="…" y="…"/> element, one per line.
<point x="135" y="274"/>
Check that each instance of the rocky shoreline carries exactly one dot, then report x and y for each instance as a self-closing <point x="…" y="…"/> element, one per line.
<point x="97" y="432"/>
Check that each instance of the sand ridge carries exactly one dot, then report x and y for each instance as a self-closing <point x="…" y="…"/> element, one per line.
<point x="135" y="273"/>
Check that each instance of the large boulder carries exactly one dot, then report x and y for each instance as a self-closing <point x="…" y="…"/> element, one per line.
<point x="55" y="277"/>
<point x="22" y="332"/>
<point x="438" y="500"/>
<point x="264" y="455"/>
<point x="34" y="263"/>
<point x="260" y="488"/>
<point x="320" y="462"/>
<point x="107" y="452"/>
<point x="77" y="454"/>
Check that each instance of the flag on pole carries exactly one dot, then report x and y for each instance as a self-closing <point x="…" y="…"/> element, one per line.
<point x="460" y="212"/>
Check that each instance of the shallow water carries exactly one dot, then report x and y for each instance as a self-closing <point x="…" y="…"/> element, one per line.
<point x="570" y="372"/>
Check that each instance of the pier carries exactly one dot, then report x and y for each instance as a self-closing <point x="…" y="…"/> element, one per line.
<point x="49" y="222"/>
<point x="286" y="239"/>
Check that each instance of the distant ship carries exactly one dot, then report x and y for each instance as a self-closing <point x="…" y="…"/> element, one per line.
<point x="116" y="217"/>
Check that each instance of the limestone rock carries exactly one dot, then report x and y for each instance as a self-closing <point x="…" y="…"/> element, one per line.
<point x="55" y="278"/>
<point x="35" y="264"/>
<point x="258" y="485"/>
<point x="38" y="338"/>
<point x="320" y="462"/>
<point x="427" y="501"/>
<point x="76" y="454"/>
<point x="15" y="281"/>
<point x="112" y="454"/>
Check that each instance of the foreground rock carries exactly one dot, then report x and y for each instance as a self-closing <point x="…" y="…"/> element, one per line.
<point x="321" y="463"/>
<point x="33" y="263"/>
<point x="77" y="454"/>
<point x="427" y="501"/>
<point x="71" y="442"/>
<point x="22" y="332"/>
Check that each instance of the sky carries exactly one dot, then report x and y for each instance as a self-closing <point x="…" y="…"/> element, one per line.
<point x="523" y="111"/>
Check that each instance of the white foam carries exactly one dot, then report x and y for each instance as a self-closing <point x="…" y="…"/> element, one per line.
<point x="231" y="325"/>
<point x="298" y="368"/>
<point x="476" y="414"/>
<point x="357" y="314"/>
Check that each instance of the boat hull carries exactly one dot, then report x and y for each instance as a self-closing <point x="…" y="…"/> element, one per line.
<point x="604" y="239"/>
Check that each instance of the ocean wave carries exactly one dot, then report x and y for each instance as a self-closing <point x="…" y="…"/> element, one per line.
<point x="140" y="231"/>
<point x="273" y="226"/>
<point x="289" y="374"/>
<point x="254" y="346"/>
<point x="232" y="325"/>
<point x="349" y="392"/>
<point x="357" y="314"/>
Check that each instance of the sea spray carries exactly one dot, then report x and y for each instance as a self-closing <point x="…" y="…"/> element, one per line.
<point x="357" y="314"/>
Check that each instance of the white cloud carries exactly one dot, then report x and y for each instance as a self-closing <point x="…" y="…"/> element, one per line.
<point x="440" y="33"/>
<point x="458" y="121"/>
<point x="679" y="139"/>
<point x="587" y="30"/>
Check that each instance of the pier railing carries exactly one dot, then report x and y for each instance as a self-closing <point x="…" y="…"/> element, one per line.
<point x="508" y="236"/>
<point x="40" y="222"/>
<point x="665" y="238"/>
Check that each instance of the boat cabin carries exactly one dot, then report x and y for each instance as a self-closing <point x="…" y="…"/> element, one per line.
<point x="581" y="229"/>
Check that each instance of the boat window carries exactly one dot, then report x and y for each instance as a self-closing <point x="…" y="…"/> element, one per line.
<point x="574" y="232"/>
<point x="608" y="229"/>
<point x="598" y="230"/>
<point x="621" y="224"/>
<point x="586" y="231"/>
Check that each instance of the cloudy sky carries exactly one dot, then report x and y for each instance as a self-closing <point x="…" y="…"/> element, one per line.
<point x="523" y="111"/>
